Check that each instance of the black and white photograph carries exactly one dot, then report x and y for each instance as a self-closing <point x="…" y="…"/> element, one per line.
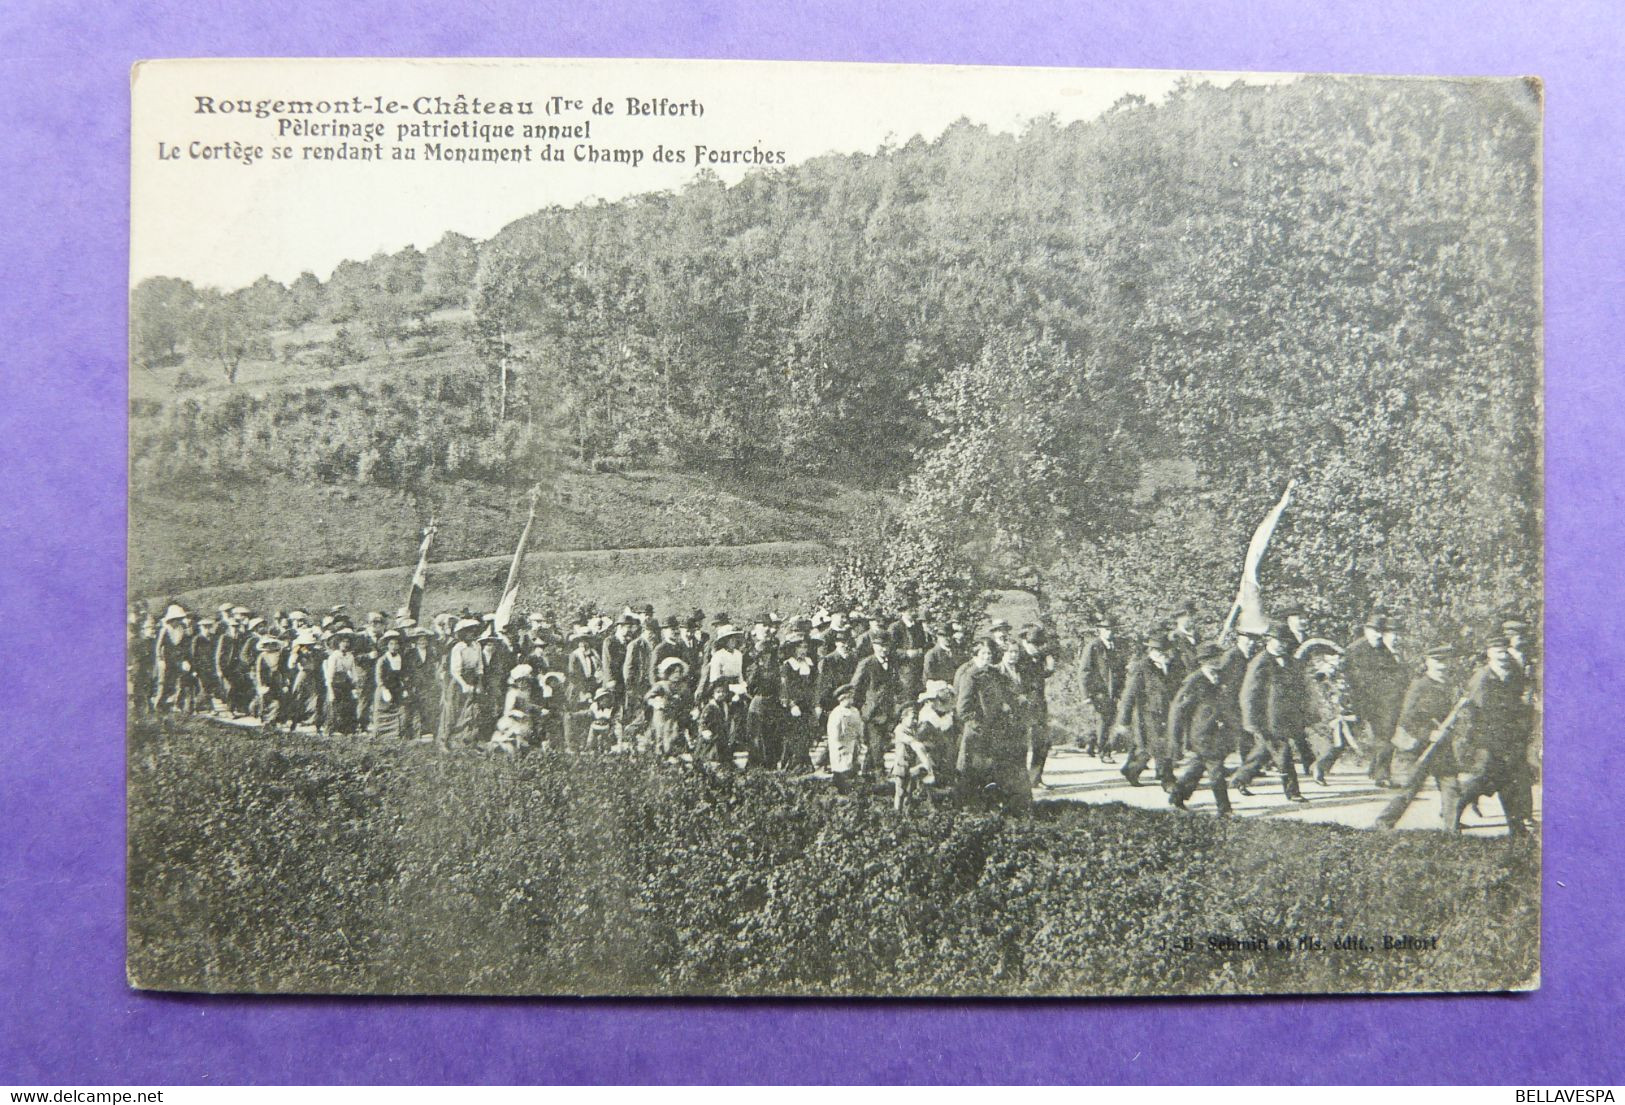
<point x="791" y="529"/>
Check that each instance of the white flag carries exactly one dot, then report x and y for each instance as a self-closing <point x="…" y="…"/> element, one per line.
<point x="1249" y="600"/>
<point x="510" y="592"/>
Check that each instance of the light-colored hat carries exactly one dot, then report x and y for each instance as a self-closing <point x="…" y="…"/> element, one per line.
<point x="306" y="638"/>
<point x="520" y="673"/>
<point x="465" y="624"/>
<point x="270" y="644"/>
<point x="389" y="634"/>
<point x="936" y="688"/>
<point x="671" y="662"/>
<point x="175" y="613"/>
<point x="238" y="611"/>
<point x="726" y="630"/>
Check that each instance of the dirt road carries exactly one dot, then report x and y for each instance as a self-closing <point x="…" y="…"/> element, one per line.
<point x="1347" y="799"/>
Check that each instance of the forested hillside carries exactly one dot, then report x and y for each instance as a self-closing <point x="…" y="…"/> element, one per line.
<point x="1333" y="279"/>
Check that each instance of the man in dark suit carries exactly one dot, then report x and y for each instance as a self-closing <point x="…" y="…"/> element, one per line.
<point x="612" y="658"/>
<point x="942" y="661"/>
<point x="1103" y="664"/>
<point x="1273" y="711"/>
<point x="1031" y="664"/>
<point x="1232" y="671"/>
<point x="991" y="749"/>
<point x="909" y="642"/>
<point x="1142" y="713"/>
<point x="1199" y="724"/>
<point x="1376" y="688"/>
<point x="1495" y="731"/>
<point x="835" y="668"/>
<point x="1428" y="702"/>
<point x="1182" y="641"/>
<point x="878" y="691"/>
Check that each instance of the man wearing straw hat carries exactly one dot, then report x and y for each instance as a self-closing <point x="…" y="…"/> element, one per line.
<point x="172" y="659"/>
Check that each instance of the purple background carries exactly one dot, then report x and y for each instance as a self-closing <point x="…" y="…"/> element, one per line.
<point x="65" y="1013"/>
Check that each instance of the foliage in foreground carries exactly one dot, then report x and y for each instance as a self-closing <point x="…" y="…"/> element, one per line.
<point x="302" y="865"/>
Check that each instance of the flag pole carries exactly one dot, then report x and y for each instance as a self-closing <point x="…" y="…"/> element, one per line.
<point x="510" y="590"/>
<point x="420" y="576"/>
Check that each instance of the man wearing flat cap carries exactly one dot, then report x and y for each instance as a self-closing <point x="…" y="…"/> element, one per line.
<point x="1199" y="728"/>
<point x="1493" y="737"/>
<point x="1428" y="702"/>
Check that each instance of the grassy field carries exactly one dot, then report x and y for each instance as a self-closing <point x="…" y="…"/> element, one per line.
<point x="739" y="579"/>
<point x="297" y="864"/>
<point x="261" y="374"/>
<point x="186" y="537"/>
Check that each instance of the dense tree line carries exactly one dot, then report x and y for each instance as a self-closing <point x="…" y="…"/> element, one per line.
<point x="1094" y="353"/>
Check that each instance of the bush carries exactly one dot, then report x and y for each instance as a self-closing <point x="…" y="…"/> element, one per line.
<point x="298" y="864"/>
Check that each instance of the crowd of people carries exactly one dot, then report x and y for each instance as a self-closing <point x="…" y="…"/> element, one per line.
<point x="919" y="701"/>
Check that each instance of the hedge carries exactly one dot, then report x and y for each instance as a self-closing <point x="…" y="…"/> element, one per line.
<point x="300" y="864"/>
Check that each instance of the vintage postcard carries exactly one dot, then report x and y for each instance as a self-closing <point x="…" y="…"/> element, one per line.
<point x="739" y="528"/>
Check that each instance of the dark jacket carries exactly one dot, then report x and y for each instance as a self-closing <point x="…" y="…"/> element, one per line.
<point x="1427" y="704"/>
<point x="1142" y="709"/>
<point x="1272" y="697"/>
<point x="1199" y="720"/>
<point x="941" y="664"/>
<point x="879" y="689"/>
<point x="833" y="671"/>
<point x="986" y="716"/>
<point x="1376" y="684"/>
<point x="1497" y="719"/>
<point x="1103" y="670"/>
<point x="908" y="646"/>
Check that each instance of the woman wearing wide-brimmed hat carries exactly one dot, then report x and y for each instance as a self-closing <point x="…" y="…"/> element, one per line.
<point x="270" y="681"/>
<point x="764" y="728"/>
<point x="514" y="727"/>
<point x="669" y="704"/>
<point x="391" y="688"/>
<point x="798" y="697"/>
<point x="465" y="672"/>
<point x="307" y="693"/>
<point x="342" y="676"/>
